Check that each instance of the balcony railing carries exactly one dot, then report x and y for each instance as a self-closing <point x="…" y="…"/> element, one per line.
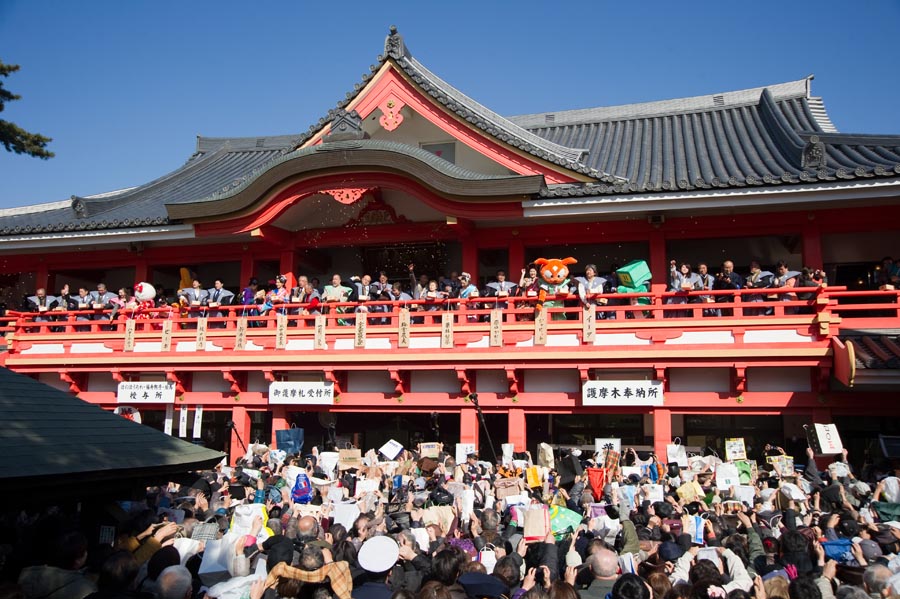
<point x="821" y="309"/>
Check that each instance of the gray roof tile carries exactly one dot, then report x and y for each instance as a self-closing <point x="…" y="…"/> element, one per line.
<point x="63" y="436"/>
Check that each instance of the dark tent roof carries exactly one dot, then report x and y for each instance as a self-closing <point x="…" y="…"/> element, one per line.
<point x="49" y="438"/>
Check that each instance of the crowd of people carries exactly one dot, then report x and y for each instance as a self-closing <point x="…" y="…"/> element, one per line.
<point x="423" y="523"/>
<point x="303" y="295"/>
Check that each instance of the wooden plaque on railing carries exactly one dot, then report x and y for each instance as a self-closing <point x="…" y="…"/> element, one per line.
<point x="201" y="333"/>
<point x="129" y="335"/>
<point x="447" y="330"/>
<point x="165" y="343"/>
<point x="496" y="328"/>
<point x="359" y="337"/>
<point x="319" y="339"/>
<point x="240" y="334"/>
<point x="403" y="328"/>
<point x="281" y="331"/>
<point x="589" y="323"/>
<point x="540" y="327"/>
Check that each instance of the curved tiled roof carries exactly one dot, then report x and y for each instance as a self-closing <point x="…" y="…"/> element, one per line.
<point x="755" y="137"/>
<point x="767" y="136"/>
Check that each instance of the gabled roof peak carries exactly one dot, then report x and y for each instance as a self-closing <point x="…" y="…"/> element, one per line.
<point x="394" y="46"/>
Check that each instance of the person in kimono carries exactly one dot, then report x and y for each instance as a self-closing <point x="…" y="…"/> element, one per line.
<point x="102" y="300"/>
<point x="308" y="296"/>
<point x="41" y="303"/>
<point x="682" y="280"/>
<point x="589" y="287"/>
<point x="194" y="299"/>
<point x="337" y="292"/>
<point x="500" y="288"/>
<point x="465" y="285"/>
<point x="727" y="279"/>
<point x="219" y="296"/>
<point x="706" y="284"/>
<point x="757" y="279"/>
<point x="786" y="278"/>
<point x="81" y="305"/>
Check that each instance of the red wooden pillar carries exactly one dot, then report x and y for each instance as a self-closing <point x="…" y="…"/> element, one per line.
<point x="659" y="264"/>
<point x="246" y="268"/>
<point x="662" y="431"/>
<point x="812" y="246"/>
<point x="141" y="271"/>
<point x="288" y="261"/>
<point x="241" y="418"/>
<point x="279" y="422"/>
<point x="516" y="261"/>
<point x="517" y="435"/>
<point x="468" y="426"/>
<point x="470" y="257"/>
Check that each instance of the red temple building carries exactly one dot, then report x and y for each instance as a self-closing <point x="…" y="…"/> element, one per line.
<point x="408" y="169"/>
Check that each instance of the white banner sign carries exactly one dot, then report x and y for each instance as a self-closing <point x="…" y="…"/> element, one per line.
<point x="182" y="421"/>
<point x="301" y="392"/>
<point x="170" y="416"/>
<point x="622" y="393"/>
<point x="198" y="423"/>
<point x="145" y="392"/>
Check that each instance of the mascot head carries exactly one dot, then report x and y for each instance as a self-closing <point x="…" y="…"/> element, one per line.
<point x="554" y="271"/>
<point x="144" y="292"/>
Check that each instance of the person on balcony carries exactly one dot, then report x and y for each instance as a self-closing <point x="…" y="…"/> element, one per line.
<point x="336" y="293"/>
<point x="786" y="278"/>
<point x="41" y="303"/>
<point x="590" y="287"/>
<point x="465" y="285"/>
<point x="727" y="280"/>
<point x="706" y="284"/>
<point x="218" y="297"/>
<point x="249" y="292"/>
<point x="888" y="276"/>
<point x="529" y="287"/>
<point x="758" y="279"/>
<point x="307" y="295"/>
<point x="810" y="277"/>
<point x="101" y="300"/>
<point x="417" y="286"/>
<point x="682" y="280"/>
<point x="195" y="299"/>
<point x="500" y="288"/>
<point x="80" y="303"/>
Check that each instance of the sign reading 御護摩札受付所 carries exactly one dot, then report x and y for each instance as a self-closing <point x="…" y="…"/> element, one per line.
<point x="622" y="393"/>
<point x="301" y="392"/>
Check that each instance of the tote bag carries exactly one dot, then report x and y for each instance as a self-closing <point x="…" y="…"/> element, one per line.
<point x="290" y="440"/>
<point x="676" y="452"/>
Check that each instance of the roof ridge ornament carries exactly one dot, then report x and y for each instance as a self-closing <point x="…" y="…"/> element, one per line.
<point x="346" y="126"/>
<point x="79" y="207"/>
<point x="394" y="46"/>
<point x="814" y="154"/>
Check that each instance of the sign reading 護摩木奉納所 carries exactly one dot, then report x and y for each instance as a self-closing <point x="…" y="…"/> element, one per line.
<point x="622" y="393"/>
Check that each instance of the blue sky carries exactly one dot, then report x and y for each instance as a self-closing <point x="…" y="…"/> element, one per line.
<point x="125" y="87"/>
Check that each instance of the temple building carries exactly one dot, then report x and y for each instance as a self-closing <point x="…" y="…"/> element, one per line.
<point x="406" y="170"/>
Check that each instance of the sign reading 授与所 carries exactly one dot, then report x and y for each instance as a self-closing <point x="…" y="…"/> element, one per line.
<point x="622" y="393"/>
<point x="301" y="392"/>
<point x="130" y="392"/>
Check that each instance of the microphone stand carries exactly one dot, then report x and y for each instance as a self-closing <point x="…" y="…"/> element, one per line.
<point x="473" y="397"/>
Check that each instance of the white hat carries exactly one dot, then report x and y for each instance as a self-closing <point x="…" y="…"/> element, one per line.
<point x="378" y="554"/>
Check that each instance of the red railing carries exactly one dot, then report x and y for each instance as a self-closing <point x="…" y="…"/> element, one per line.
<point x="704" y="308"/>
